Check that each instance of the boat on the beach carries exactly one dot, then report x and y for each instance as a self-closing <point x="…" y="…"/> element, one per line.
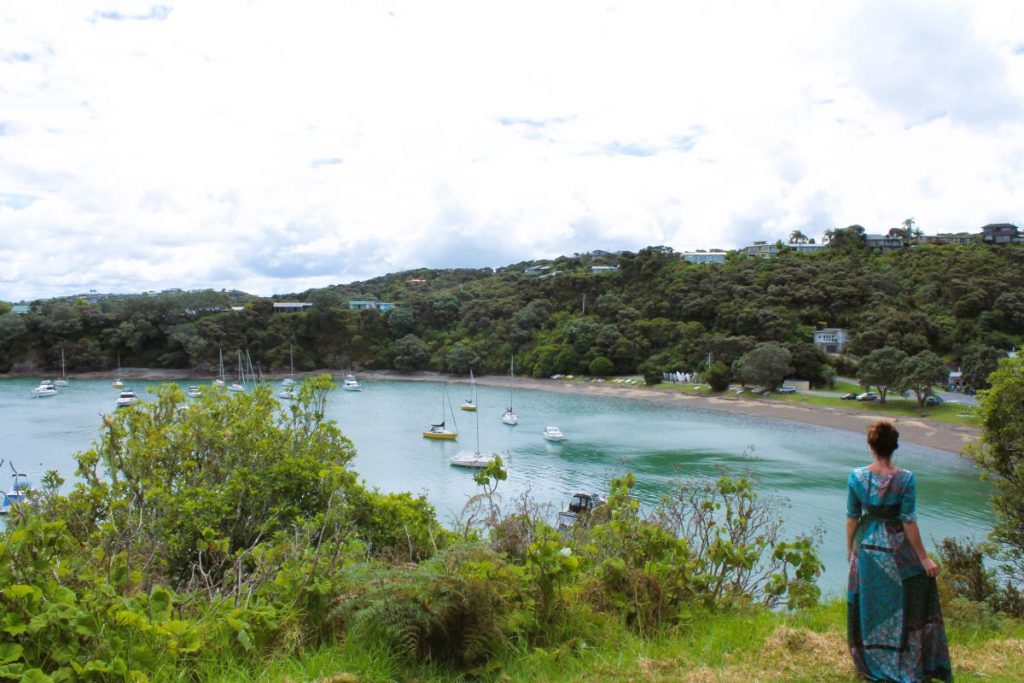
<point x="126" y="398"/>
<point x="46" y="388"/>
<point x="440" y="431"/>
<point x="582" y="503"/>
<point x="553" y="433"/>
<point x="510" y="418"/>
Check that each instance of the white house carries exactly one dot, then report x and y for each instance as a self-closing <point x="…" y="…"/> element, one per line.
<point x="831" y="339"/>
<point x="704" y="256"/>
<point x="370" y="305"/>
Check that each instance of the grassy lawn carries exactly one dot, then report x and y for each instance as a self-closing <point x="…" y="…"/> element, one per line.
<point x="949" y="413"/>
<point x="741" y="645"/>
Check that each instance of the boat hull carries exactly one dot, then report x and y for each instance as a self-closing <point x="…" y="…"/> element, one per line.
<point x="440" y="436"/>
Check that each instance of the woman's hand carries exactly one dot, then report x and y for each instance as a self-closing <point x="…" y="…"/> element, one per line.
<point x="930" y="568"/>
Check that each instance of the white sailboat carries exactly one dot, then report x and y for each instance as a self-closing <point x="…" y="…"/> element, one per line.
<point x="475" y="460"/>
<point x="219" y="382"/>
<point x="63" y="381"/>
<point x="117" y="383"/>
<point x="288" y="392"/>
<point x="470" y="403"/>
<point x="239" y="386"/>
<point x="510" y="418"/>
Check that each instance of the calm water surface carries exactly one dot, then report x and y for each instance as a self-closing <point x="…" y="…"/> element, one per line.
<point x="607" y="437"/>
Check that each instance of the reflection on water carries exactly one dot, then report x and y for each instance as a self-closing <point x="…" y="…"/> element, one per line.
<point x="606" y="438"/>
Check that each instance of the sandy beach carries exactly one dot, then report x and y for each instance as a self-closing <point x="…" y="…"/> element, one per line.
<point x="943" y="437"/>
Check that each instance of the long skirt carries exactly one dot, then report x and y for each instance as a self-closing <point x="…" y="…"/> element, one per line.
<point x="893" y="619"/>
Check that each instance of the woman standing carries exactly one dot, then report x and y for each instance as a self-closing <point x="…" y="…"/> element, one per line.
<point x="893" y="622"/>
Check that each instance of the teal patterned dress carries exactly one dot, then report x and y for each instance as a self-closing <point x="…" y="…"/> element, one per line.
<point x="893" y="621"/>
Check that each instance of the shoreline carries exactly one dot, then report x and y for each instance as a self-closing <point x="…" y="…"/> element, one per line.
<point x="940" y="436"/>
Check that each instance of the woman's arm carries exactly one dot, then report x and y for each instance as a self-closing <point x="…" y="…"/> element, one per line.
<point x="914" y="536"/>
<point x="851" y="529"/>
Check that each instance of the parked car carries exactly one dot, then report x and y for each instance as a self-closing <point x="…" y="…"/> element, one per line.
<point x="932" y="400"/>
<point x="867" y="396"/>
<point x="849" y="397"/>
<point x="785" y="390"/>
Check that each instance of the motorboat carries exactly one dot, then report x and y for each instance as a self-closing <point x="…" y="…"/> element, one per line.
<point x="46" y="388"/>
<point x="18" y="493"/>
<point x="126" y="398"/>
<point x="193" y="391"/>
<point x="554" y="434"/>
<point x="582" y="503"/>
<point x="351" y="383"/>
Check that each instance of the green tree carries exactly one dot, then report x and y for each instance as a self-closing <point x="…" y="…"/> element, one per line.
<point x="1000" y="454"/>
<point x="601" y="367"/>
<point x="717" y="376"/>
<point x="460" y="359"/>
<point x="410" y="353"/>
<point x="977" y="364"/>
<point x="922" y="371"/>
<point x="883" y="368"/>
<point x="766" y="366"/>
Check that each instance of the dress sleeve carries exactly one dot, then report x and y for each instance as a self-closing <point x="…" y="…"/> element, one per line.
<point x="853" y="505"/>
<point x="908" y="504"/>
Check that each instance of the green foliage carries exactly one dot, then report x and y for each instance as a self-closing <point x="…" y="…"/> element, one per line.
<point x="601" y="367"/>
<point x="766" y="366"/>
<point x="883" y="368"/>
<point x="1000" y="454"/>
<point x="717" y="376"/>
<point x="921" y="371"/>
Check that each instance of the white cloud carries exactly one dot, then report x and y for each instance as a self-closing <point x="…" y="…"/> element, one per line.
<point x="276" y="147"/>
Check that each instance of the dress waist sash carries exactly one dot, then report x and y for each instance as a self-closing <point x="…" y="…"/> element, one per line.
<point x="886" y="513"/>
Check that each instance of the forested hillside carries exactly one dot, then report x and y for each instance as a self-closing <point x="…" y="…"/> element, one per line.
<point x="656" y="312"/>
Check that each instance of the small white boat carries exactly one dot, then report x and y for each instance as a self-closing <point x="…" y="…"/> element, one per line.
<point x="193" y="391"/>
<point x="581" y="503"/>
<point x="126" y="398"/>
<point x="351" y="384"/>
<point x="117" y="383"/>
<point x="287" y="383"/>
<point x="554" y="434"/>
<point x="46" y="388"/>
<point x="235" y="387"/>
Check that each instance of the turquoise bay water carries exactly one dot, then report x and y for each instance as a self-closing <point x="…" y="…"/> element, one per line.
<point x="607" y="437"/>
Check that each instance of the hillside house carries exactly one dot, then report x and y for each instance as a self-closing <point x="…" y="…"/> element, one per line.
<point x="832" y="339"/>
<point x="1001" y="233"/>
<point x="883" y="242"/>
<point x="291" y="306"/>
<point x="370" y="305"/>
<point x="704" y="256"/>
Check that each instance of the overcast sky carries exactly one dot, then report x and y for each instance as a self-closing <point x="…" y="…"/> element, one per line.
<point x="277" y="146"/>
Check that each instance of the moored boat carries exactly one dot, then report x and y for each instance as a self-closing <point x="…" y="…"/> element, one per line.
<point x="553" y="433"/>
<point x="46" y="388"/>
<point x="126" y="398"/>
<point x="582" y="503"/>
